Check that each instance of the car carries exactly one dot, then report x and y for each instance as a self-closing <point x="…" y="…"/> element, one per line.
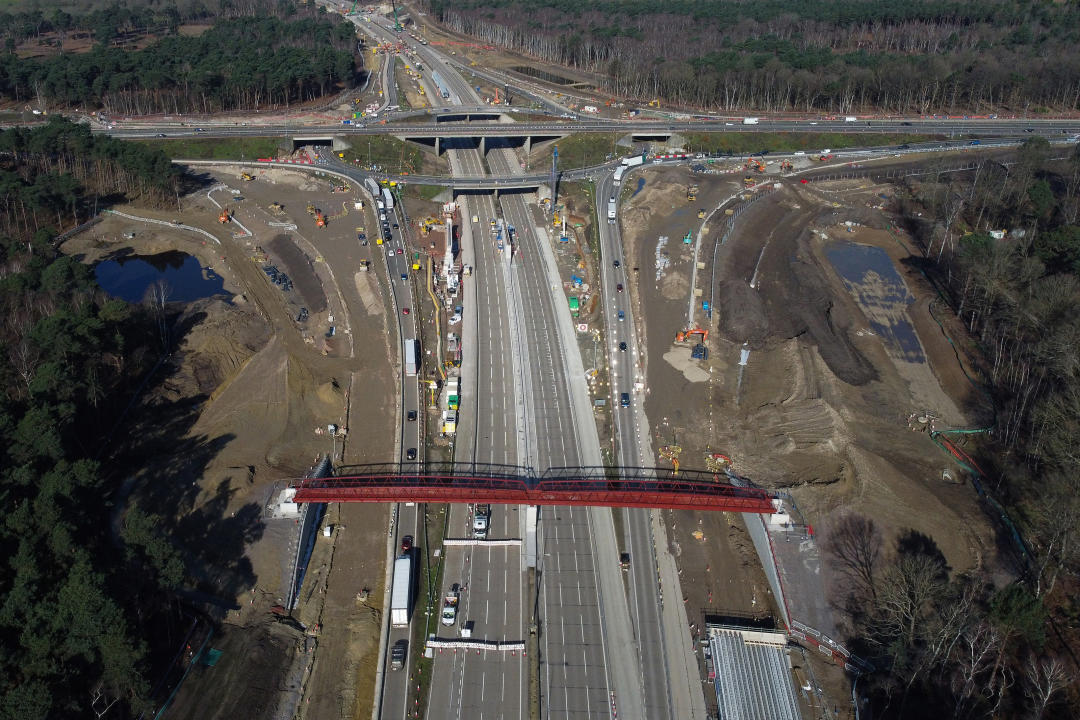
<point x="201" y="130"/>
<point x="400" y="251"/>
<point x="905" y="146"/>
<point x="161" y="134"/>
<point x="624" y="560"/>
<point x="390" y="252"/>
<point x="404" y="311"/>
<point x="813" y="123"/>
<point x="622" y="347"/>
<point x="395" y="226"/>
<point x="405" y="277"/>
<point x="406" y="543"/>
<point x="622" y="316"/>
<point x="624" y="399"/>
<point x="804" y="181"/>
<point x="618" y="287"/>
<point x="455" y="318"/>
<point x="411" y="416"/>
<point x="906" y="123"/>
<point x="975" y="142"/>
<point x="616" y="264"/>
<point x="397" y="654"/>
<point x="410" y="454"/>
<point x="1029" y="130"/>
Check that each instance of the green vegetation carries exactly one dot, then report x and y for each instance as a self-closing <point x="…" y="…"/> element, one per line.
<point x="384" y="153"/>
<point x="85" y="601"/>
<point x="240" y="148"/>
<point x="739" y="143"/>
<point x="424" y="192"/>
<point x="238" y="64"/>
<point x="578" y="150"/>
<point x="923" y="56"/>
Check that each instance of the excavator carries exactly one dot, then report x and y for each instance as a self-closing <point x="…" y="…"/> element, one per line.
<point x="671" y="452"/>
<point x="224" y="217"/>
<point x="320" y="219"/>
<point x="247" y="176"/>
<point x="685" y="335"/>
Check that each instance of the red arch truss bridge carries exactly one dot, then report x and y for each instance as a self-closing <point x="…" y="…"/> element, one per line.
<point x="511" y="485"/>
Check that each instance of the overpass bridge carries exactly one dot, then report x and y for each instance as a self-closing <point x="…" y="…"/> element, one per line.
<point x="512" y="485"/>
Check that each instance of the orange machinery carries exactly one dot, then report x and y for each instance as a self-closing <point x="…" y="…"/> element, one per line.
<point x="320" y="219"/>
<point x="224" y="217"/>
<point x="684" y="335"/>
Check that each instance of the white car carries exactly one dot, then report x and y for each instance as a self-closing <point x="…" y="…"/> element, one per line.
<point x="390" y="253"/>
<point x="455" y="319"/>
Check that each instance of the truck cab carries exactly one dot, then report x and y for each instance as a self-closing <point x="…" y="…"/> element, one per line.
<point x="481" y="521"/>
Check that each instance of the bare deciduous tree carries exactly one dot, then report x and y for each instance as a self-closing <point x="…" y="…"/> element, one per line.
<point x="1044" y="679"/>
<point x="855" y="542"/>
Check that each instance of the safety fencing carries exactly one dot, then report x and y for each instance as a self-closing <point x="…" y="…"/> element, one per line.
<point x="163" y="222"/>
<point x="728" y="229"/>
<point x="475" y="542"/>
<point x="307" y="524"/>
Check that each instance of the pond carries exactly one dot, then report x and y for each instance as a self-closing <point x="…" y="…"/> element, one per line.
<point x="131" y="277"/>
<point x="869" y="274"/>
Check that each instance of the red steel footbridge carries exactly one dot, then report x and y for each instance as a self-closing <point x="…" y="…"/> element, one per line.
<point x="512" y="485"/>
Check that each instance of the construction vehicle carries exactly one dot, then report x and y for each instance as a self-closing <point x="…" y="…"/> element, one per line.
<point x="787" y="166"/>
<point x="246" y="176"/>
<point x="827" y="156"/>
<point x="688" y="239"/>
<point x="311" y="209"/>
<point x="701" y="213"/>
<point x="277" y="208"/>
<point x="654" y="103"/>
<point x="691" y="193"/>
<point x="320" y="219"/>
<point x="749" y="181"/>
<point x="685" y="335"/>
<point x="699" y="352"/>
<point x="450" y="606"/>
<point x="671" y="452"/>
<point x="224" y="217"/>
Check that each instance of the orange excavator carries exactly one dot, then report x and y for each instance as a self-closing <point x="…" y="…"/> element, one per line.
<point x="320" y="219"/>
<point x="684" y="335"/>
<point x="224" y="217"/>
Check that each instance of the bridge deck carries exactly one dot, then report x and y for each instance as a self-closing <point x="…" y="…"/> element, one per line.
<point x="646" y="488"/>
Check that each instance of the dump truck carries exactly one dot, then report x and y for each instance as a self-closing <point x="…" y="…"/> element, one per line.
<point x="401" y="594"/>
<point x="450" y="606"/>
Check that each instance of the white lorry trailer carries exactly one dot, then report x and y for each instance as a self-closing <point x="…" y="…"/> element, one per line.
<point x="401" y="593"/>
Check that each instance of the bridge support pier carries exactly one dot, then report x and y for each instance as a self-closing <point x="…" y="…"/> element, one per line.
<point x="438" y="146"/>
<point x="483" y="146"/>
<point x="528" y="145"/>
<point x="530" y="535"/>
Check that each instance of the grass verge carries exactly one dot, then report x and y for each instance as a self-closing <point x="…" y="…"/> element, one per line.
<point x="242" y="148"/>
<point x="742" y="143"/>
<point x="383" y="153"/>
<point x="579" y="150"/>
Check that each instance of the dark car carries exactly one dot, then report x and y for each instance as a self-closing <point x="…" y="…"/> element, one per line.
<point x="161" y="134"/>
<point x="622" y="347"/>
<point x="624" y="399"/>
<point x="410" y="454"/>
<point x="905" y="123"/>
<point x="619" y="287"/>
<point x="624" y="561"/>
<point x="1030" y="130"/>
<point x="395" y="226"/>
<point x="411" y="416"/>
<point x="406" y="543"/>
<point x="616" y="264"/>
<point x="397" y="655"/>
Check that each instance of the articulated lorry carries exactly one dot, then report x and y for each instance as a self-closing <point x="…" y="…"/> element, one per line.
<point x="633" y="160"/>
<point x="401" y="593"/>
<point x="411" y="357"/>
<point x="611" y="210"/>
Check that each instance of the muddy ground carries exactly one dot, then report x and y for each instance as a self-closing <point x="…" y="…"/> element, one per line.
<point x="240" y="408"/>
<point x="822" y="405"/>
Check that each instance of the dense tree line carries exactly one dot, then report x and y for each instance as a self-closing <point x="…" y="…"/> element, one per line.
<point x="107" y="21"/>
<point x="947" y="645"/>
<point x="83" y="593"/>
<point x="55" y="175"/>
<point x="925" y="56"/>
<point x="238" y="64"/>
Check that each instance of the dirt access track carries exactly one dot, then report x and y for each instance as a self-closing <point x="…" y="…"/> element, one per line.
<point x="833" y="370"/>
<point x="241" y="407"/>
